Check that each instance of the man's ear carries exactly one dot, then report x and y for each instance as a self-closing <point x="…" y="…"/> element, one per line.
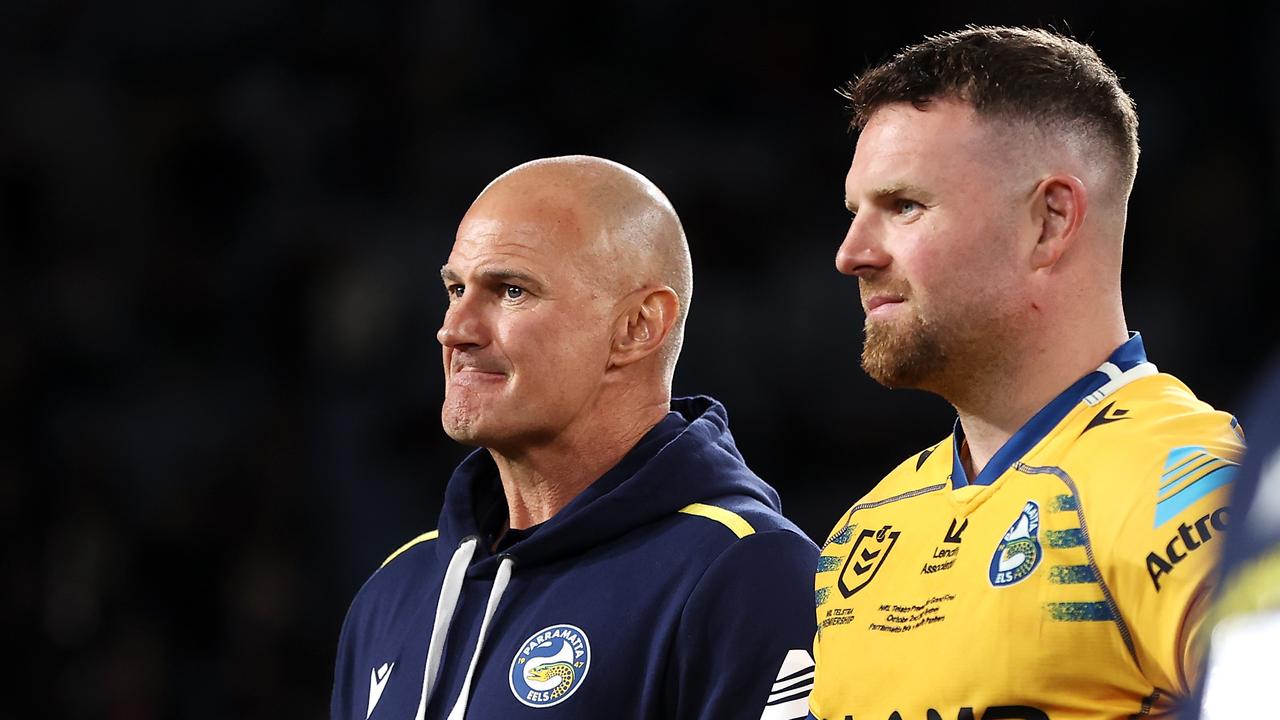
<point x="1060" y="203"/>
<point x="647" y="317"/>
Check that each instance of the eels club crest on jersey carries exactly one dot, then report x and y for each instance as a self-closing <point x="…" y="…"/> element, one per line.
<point x="550" y="665"/>
<point x="1019" y="552"/>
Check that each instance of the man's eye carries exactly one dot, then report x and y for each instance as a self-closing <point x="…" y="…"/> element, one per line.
<point x="514" y="293"/>
<point x="455" y="291"/>
<point x="906" y="207"/>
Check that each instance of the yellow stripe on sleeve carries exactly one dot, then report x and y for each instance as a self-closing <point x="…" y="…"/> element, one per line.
<point x="420" y="539"/>
<point x="728" y="518"/>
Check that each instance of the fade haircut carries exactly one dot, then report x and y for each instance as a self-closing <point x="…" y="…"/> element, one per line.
<point x="1027" y="76"/>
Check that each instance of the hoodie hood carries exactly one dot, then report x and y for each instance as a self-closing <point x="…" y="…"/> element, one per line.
<point x="688" y="457"/>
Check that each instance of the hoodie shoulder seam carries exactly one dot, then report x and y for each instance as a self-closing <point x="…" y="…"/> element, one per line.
<point x="730" y="519"/>
<point x="420" y="539"/>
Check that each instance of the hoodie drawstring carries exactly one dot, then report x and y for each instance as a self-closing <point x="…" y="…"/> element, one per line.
<point x="450" y="590"/>
<point x="495" y="595"/>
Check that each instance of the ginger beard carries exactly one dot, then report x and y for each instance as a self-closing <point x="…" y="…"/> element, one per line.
<point x="904" y="353"/>
<point x="942" y="349"/>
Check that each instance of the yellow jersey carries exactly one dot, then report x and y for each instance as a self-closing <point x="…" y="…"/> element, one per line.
<point x="1067" y="581"/>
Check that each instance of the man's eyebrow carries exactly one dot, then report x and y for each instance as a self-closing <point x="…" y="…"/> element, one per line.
<point x="506" y="275"/>
<point x="887" y="191"/>
<point x="499" y="275"/>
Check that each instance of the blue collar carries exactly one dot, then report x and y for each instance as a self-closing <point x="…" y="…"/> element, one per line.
<point x="1127" y="356"/>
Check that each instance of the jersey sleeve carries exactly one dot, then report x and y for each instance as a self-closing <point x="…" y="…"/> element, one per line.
<point x="828" y="561"/>
<point x="742" y="649"/>
<point x="1165" y="554"/>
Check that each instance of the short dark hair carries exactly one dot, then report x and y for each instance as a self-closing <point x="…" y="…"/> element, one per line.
<point x="1008" y="73"/>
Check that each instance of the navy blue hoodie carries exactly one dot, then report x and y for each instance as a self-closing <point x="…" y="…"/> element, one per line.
<point x="670" y="588"/>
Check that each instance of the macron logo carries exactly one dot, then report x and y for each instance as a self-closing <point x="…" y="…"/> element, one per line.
<point x="789" y="696"/>
<point x="377" y="682"/>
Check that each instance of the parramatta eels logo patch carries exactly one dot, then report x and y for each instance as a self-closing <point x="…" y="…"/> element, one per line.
<point x="1019" y="552"/>
<point x="550" y="665"/>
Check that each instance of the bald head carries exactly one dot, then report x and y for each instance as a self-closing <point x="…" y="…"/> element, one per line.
<point x="614" y="225"/>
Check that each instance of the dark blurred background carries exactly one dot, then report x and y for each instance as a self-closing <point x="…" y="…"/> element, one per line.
<point x="222" y="225"/>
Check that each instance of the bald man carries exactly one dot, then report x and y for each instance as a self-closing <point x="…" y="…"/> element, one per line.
<point x="605" y="552"/>
<point x="1051" y="556"/>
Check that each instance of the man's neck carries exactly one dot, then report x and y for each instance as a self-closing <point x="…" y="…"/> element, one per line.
<point x="994" y="405"/>
<point x="540" y="481"/>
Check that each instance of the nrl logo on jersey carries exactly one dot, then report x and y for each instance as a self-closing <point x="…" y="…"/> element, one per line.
<point x="866" y="558"/>
<point x="1019" y="552"/>
<point x="550" y="665"/>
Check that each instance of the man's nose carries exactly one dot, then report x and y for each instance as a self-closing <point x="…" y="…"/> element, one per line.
<point x="862" y="250"/>
<point x="463" y="324"/>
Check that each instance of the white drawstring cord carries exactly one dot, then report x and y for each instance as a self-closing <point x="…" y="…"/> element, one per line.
<point x="499" y="586"/>
<point x="450" y="590"/>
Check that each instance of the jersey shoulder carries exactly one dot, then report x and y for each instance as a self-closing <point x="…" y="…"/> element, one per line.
<point x="1152" y="429"/>
<point x="924" y="472"/>
<point x="1147" y="458"/>
<point x="1163" y="410"/>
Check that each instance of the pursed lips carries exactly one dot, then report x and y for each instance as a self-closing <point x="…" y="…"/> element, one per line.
<point x="878" y="301"/>
<point x="466" y="373"/>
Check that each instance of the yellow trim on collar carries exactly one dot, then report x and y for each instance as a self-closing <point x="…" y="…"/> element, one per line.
<point x="728" y="518"/>
<point x="421" y="538"/>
